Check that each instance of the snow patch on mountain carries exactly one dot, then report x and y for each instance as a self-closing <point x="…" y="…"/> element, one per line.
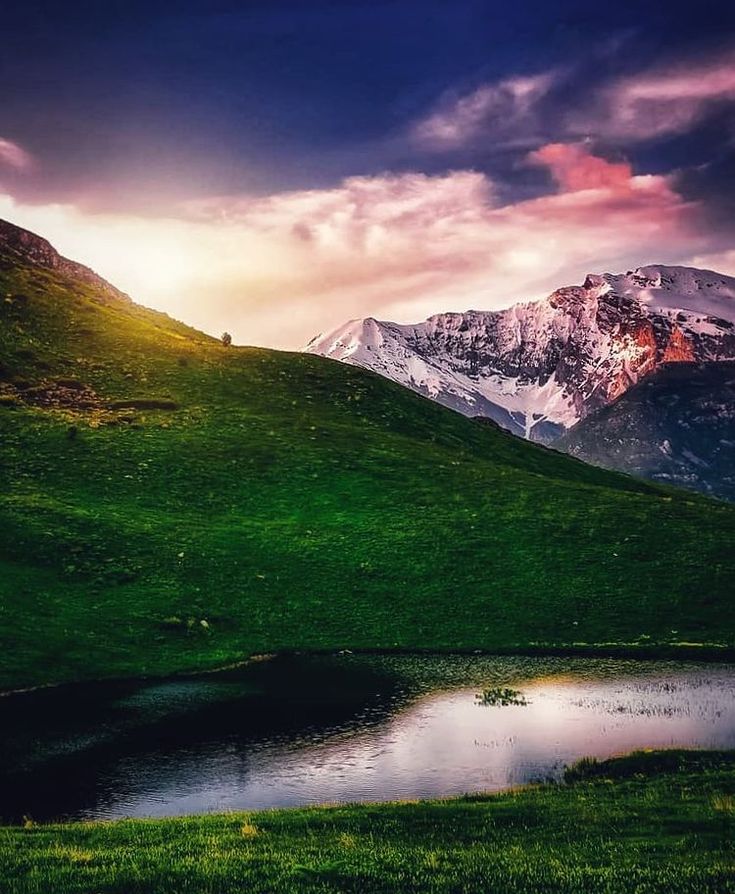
<point x="697" y="293"/>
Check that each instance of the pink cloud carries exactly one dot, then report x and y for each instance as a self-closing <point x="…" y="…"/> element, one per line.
<point x="406" y="246"/>
<point x="574" y="167"/>
<point x="14" y="156"/>
<point x="366" y="215"/>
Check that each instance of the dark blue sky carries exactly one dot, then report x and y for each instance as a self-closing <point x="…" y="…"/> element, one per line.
<point x="160" y="101"/>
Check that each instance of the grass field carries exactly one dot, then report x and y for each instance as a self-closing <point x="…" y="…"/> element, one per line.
<point x="659" y="822"/>
<point x="167" y="503"/>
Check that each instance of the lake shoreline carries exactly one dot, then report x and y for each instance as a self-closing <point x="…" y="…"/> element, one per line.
<point x="526" y="839"/>
<point x="708" y="653"/>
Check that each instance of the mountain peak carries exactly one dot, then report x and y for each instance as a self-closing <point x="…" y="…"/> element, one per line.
<point x="22" y="246"/>
<point x="593" y="280"/>
<point x="539" y="367"/>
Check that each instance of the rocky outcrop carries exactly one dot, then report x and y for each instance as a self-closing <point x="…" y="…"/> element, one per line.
<point x="21" y="246"/>
<point x="679" y="348"/>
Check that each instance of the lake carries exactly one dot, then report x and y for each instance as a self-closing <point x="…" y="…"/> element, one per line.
<point x="298" y="730"/>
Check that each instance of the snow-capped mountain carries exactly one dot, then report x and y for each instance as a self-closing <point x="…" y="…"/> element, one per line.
<point x="539" y="367"/>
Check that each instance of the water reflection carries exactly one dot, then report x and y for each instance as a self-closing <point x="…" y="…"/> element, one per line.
<point x="302" y="731"/>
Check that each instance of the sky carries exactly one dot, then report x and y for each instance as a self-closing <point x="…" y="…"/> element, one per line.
<point x="275" y="168"/>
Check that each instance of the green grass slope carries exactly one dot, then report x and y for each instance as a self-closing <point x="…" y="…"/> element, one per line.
<point x="611" y="832"/>
<point x="167" y="503"/>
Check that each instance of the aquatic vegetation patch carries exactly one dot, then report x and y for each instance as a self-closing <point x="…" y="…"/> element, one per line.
<point x="500" y="695"/>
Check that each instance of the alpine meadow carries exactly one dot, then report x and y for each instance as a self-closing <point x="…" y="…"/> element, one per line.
<point x="367" y="447"/>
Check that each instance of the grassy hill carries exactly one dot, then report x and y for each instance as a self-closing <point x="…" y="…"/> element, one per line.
<point x="167" y="503"/>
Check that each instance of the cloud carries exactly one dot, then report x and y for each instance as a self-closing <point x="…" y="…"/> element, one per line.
<point x="721" y="261"/>
<point x="277" y="270"/>
<point x="574" y="102"/>
<point x="497" y="110"/>
<point x="574" y="167"/>
<point x="659" y="101"/>
<point x="14" y="156"/>
<point x="370" y="216"/>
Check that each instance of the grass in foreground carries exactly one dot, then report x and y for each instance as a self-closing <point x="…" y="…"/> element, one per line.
<point x="167" y="504"/>
<point x="658" y="822"/>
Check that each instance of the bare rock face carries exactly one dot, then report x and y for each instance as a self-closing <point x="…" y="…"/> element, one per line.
<point x="538" y="368"/>
<point x="19" y="246"/>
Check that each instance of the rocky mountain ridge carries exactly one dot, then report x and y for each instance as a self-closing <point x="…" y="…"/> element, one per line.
<point x="537" y="368"/>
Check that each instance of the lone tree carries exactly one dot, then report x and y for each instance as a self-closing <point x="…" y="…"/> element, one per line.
<point x="226" y="339"/>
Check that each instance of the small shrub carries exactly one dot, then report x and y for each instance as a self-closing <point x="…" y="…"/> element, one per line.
<point x="724" y="804"/>
<point x="586" y="768"/>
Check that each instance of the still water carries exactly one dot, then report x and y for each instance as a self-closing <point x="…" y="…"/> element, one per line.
<point x="293" y="731"/>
